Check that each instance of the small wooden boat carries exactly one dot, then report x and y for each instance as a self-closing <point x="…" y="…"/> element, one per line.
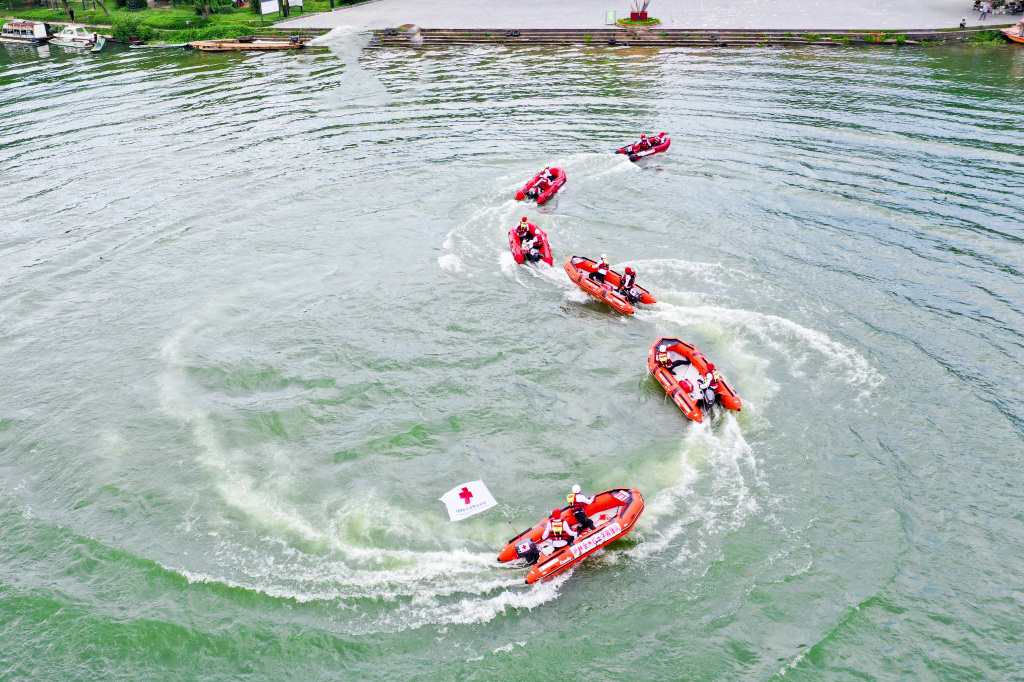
<point x="687" y="366"/>
<point x="28" y="32"/>
<point x="157" y="46"/>
<point x="76" y="36"/>
<point x="613" y="512"/>
<point x="1015" y="33"/>
<point x="579" y="268"/>
<point x="242" y="44"/>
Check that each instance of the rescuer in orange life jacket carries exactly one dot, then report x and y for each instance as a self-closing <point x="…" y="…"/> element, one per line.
<point x="626" y="286"/>
<point x="577" y="504"/>
<point x="529" y="241"/>
<point x="559" y="531"/>
<point x="543" y="183"/>
<point x="600" y="270"/>
<point x="661" y="357"/>
<point x="708" y="384"/>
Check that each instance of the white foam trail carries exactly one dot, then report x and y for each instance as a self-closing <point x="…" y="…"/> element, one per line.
<point x="714" y="494"/>
<point x="466" y="611"/>
<point x="450" y="262"/>
<point x="486" y="230"/>
<point x="508" y="264"/>
<point x="340" y="570"/>
<point x="799" y="345"/>
<point x="592" y="166"/>
<point x="718" y="277"/>
<point x="344" y="41"/>
<point x="357" y="86"/>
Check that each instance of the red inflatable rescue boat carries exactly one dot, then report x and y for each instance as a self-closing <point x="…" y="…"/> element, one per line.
<point x="656" y="149"/>
<point x="613" y="512"/>
<point x="680" y="381"/>
<point x="556" y="185"/>
<point x="579" y="268"/>
<point x="517" y="247"/>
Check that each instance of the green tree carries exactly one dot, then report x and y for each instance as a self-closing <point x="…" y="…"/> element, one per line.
<point x="205" y="8"/>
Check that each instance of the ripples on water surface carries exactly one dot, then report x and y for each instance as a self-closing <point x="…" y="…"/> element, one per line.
<point x="258" y="314"/>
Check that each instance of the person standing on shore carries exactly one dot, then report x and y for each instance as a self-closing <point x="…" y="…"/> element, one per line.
<point x="71" y="13"/>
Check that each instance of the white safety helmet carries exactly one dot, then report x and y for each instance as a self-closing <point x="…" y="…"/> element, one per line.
<point x="576" y="488"/>
<point x="604" y="256"/>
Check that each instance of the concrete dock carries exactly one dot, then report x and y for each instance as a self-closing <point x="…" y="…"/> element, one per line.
<point x="822" y="15"/>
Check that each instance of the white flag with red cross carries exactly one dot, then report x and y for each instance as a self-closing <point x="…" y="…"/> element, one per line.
<point x="467" y="499"/>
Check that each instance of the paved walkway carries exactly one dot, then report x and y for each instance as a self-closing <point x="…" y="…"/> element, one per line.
<point x="730" y="14"/>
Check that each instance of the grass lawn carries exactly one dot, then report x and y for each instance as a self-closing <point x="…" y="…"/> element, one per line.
<point x="177" y="23"/>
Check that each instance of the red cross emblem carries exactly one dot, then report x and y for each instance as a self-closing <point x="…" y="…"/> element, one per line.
<point x="466" y="495"/>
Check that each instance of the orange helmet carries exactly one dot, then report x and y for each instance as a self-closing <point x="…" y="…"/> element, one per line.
<point x="555" y="513"/>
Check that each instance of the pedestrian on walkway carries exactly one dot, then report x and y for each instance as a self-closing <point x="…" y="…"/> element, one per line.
<point x="963" y="23"/>
<point x="986" y="7"/>
<point x="71" y="13"/>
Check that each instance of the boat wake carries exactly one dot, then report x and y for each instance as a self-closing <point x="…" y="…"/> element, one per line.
<point x="716" y="490"/>
<point x="325" y="552"/>
<point x="357" y="86"/>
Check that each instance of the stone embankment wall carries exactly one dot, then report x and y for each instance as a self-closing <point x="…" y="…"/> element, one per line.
<point x="658" y="37"/>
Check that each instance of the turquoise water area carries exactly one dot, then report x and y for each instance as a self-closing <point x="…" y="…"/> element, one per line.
<point x="258" y="313"/>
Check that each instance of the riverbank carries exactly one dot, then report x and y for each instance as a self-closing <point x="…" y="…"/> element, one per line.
<point x="169" y="24"/>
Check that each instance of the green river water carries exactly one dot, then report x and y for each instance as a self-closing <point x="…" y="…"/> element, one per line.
<point x="257" y="313"/>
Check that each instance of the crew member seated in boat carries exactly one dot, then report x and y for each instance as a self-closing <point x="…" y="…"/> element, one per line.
<point x="661" y="357"/>
<point x="542" y="185"/>
<point x="708" y="384"/>
<point x="643" y="145"/>
<point x="577" y="504"/>
<point x="558" y="530"/>
<point x="626" y="286"/>
<point x="548" y="174"/>
<point x="601" y="271"/>
<point x="529" y="241"/>
<point x="657" y="139"/>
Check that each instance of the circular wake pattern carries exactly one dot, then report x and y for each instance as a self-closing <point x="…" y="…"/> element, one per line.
<point x="260" y="313"/>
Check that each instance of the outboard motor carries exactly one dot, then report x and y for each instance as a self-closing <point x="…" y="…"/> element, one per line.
<point x="528" y="550"/>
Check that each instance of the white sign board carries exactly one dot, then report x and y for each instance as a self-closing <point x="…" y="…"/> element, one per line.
<point x="465" y="500"/>
<point x="594" y="541"/>
<point x="609" y="18"/>
<point x="295" y="3"/>
<point x="269" y="7"/>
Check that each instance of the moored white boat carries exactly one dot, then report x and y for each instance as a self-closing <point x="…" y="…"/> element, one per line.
<point x="74" y="35"/>
<point x="22" y="31"/>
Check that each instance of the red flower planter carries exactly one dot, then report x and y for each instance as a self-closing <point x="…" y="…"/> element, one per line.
<point x="634" y="16"/>
<point x="643" y="16"/>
